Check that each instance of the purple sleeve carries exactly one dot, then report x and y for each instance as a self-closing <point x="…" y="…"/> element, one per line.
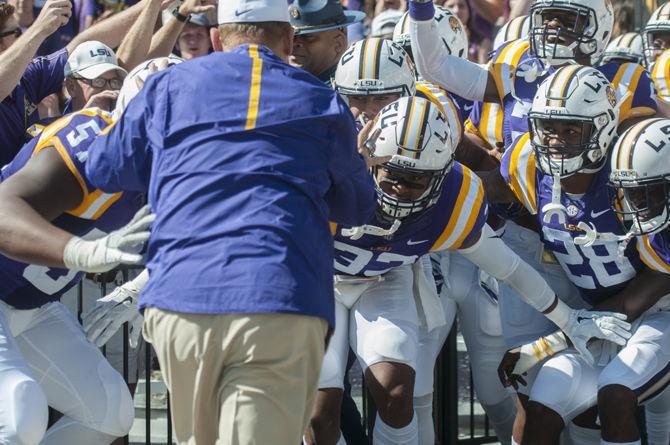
<point x="120" y="158"/>
<point x="87" y="9"/>
<point x="44" y="76"/>
<point x="421" y="11"/>
<point x="644" y="96"/>
<point x="352" y="197"/>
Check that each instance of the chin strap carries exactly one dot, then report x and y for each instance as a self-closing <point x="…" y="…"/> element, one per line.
<point x="591" y="235"/>
<point x="357" y="232"/>
<point x="555" y="208"/>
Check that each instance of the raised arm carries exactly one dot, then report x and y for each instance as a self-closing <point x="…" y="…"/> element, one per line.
<point x="165" y="38"/>
<point x="13" y="61"/>
<point x="110" y="31"/>
<point x="135" y="45"/>
<point x="436" y="65"/>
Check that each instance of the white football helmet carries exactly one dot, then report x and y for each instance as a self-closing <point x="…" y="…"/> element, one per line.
<point x="517" y="28"/>
<point x="375" y="66"/>
<point x="640" y="177"/>
<point x="417" y="136"/>
<point x="449" y="27"/>
<point x="579" y="95"/>
<point x="659" y="22"/>
<point x="593" y="21"/>
<point x="625" y="48"/>
<point x="134" y="81"/>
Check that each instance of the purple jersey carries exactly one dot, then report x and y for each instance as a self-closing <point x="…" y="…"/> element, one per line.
<point x="27" y="286"/>
<point x="655" y="251"/>
<point x="454" y="221"/>
<point x="597" y="270"/>
<point x="518" y="75"/>
<point x="18" y="111"/>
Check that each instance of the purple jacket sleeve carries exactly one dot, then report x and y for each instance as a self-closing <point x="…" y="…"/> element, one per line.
<point x="120" y="158"/>
<point x="44" y="76"/>
<point x="352" y="197"/>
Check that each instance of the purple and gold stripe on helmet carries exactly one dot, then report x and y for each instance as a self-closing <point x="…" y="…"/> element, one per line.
<point x="560" y="85"/>
<point x="414" y="128"/>
<point x="624" y="158"/>
<point x="370" y="57"/>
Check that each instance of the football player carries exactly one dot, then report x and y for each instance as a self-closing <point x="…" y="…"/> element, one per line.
<point x="561" y="32"/>
<point x="427" y="203"/>
<point x="625" y="48"/>
<point x="372" y="74"/>
<point x="47" y="360"/>
<point x="656" y="34"/>
<point x="656" y="44"/>
<point x="559" y="171"/>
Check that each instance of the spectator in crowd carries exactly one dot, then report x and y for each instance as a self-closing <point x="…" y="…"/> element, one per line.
<point x="185" y="29"/>
<point x="383" y="5"/>
<point x="25" y="82"/>
<point x="384" y="23"/>
<point x="624" y="18"/>
<point x="194" y="39"/>
<point x="320" y="35"/>
<point x="257" y="226"/>
<point x="9" y="26"/>
<point x="478" y="17"/>
<point x="83" y="14"/>
<point x="92" y="69"/>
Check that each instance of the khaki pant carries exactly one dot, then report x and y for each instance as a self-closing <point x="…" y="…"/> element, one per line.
<point x="238" y="378"/>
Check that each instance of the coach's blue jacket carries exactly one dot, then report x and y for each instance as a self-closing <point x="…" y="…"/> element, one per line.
<point x="245" y="159"/>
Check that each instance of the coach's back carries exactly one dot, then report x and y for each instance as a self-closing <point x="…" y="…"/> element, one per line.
<point x="245" y="159"/>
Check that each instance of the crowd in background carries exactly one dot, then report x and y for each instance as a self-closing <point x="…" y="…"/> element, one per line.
<point x="481" y="18"/>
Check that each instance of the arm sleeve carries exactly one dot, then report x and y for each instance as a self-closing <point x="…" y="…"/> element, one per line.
<point x="45" y="75"/>
<point x="460" y="76"/>
<point x="642" y="97"/>
<point x="519" y="171"/>
<point x="493" y="256"/>
<point x="655" y="252"/>
<point x="120" y="158"/>
<point x="352" y="196"/>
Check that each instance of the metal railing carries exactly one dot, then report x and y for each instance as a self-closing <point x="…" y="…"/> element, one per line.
<point x="451" y="427"/>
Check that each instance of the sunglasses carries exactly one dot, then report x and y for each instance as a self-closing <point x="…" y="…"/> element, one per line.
<point x="100" y="83"/>
<point x="15" y="32"/>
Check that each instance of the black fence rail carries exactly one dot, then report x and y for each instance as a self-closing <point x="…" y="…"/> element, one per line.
<point x="452" y="427"/>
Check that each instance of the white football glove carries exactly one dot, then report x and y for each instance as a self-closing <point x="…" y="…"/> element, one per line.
<point x="114" y="309"/>
<point x="107" y="252"/>
<point x="581" y="325"/>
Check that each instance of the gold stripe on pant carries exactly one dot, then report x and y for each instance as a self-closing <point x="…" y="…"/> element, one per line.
<point x="238" y="378"/>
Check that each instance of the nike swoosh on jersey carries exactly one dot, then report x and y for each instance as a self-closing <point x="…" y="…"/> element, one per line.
<point x="239" y="13"/>
<point x="414" y="243"/>
<point x="597" y="214"/>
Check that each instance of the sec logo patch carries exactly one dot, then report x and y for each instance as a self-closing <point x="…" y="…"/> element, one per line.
<point x="572" y="211"/>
